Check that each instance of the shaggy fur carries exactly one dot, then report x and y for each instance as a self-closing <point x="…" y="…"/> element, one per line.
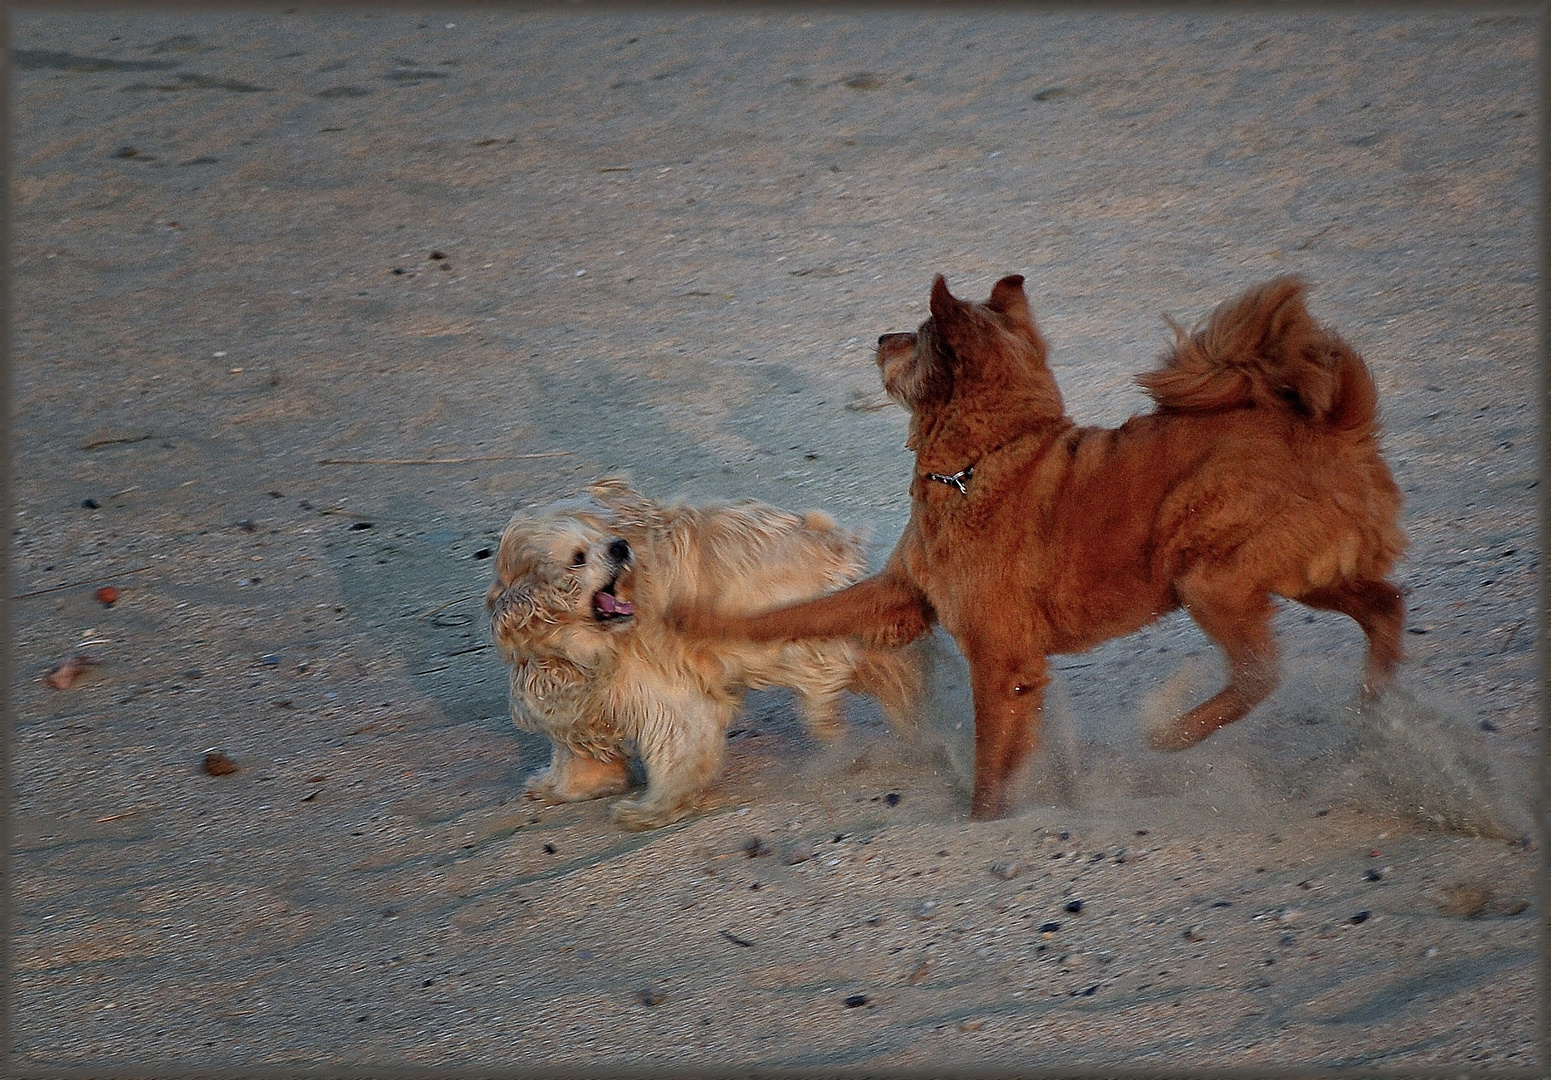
<point x="577" y="608"/>
<point x="1258" y="474"/>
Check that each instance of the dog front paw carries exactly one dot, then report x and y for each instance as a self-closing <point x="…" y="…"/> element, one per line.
<point x="694" y="622"/>
<point x="636" y="815"/>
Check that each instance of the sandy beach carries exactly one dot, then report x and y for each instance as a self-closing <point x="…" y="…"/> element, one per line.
<point x="306" y="304"/>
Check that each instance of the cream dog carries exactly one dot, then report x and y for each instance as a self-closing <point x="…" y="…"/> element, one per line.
<point x="577" y="608"/>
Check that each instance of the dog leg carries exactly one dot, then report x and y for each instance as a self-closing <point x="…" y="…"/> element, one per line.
<point x="682" y="748"/>
<point x="1241" y="627"/>
<point x="821" y="711"/>
<point x="572" y="777"/>
<point x="886" y="609"/>
<point x="1009" y="693"/>
<point x="1379" y="610"/>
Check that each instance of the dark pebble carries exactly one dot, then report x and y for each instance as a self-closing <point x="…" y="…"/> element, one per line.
<point x="360" y="525"/>
<point x="482" y="553"/>
<point x="91" y="504"/>
<point x="892" y="798"/>
<point x="855" y="1001"/>
<point x="756" y="848"/>
<point x="1074" y="907"/>
<point x="1488" y="725"/>
<point x="218" y="764"/>
<point x="549" y="849"/>
<point x="1361" y="917"/>
<point x="1006" y="871"/>
<point x="650" y="995"/>
<point x="1373" y="875"/>
<point x="1049" y="927"/>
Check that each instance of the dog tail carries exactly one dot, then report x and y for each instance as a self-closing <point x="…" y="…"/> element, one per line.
<point x="896" y="679"/>
<point x="1264" y="350"/>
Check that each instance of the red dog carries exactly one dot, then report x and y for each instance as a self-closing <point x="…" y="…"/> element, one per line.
<point x="1257" y="474"/>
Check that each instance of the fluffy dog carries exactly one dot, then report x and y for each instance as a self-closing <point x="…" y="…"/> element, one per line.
<point x="1257" y="474"/>
<point x="577" y="609"/>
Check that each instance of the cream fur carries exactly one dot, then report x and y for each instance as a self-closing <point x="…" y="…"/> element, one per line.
<point x="602" y="688"/>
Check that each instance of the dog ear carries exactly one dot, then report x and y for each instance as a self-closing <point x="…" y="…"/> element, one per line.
<point x="1009" y="300"/>
<point x="945" y="308"/>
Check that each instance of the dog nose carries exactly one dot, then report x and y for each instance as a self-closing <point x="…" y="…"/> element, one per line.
<point x="619" y="551"/>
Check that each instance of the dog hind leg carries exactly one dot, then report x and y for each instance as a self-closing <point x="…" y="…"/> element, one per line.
<point x="1241" y="626"/>
<point x="1378" y="608"/>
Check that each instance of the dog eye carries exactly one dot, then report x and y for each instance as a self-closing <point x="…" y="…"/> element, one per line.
<point x="579" y="559"/>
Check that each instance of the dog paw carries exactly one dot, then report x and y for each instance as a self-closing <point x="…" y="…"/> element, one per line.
<point x="691" y="621"/>
<point x="1175" y="736"/>
<point x="636" y="815"/>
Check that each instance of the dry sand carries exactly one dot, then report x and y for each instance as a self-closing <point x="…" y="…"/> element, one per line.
<point x="306" y="304"/>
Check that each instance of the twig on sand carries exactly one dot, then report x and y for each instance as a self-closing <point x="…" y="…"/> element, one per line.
<point x="437" y="461"/>
<point x="77" y="584"/>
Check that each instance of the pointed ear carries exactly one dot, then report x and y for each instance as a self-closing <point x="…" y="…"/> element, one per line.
<point x="943" y="306"/>
<point x="1009" y="300"/>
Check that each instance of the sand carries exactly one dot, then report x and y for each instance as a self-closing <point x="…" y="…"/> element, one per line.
<point x="306" y="304"/>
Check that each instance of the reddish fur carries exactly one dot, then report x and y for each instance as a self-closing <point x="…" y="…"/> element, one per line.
<point x="1257" y="475"/>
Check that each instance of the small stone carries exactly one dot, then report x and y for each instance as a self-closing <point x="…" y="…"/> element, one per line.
<point x="855" y="1001"/>
<point x="107" y="596"/>
<point x="1073" y="962"/>
<point x="651" y="995"/>
<point x="919" y="973"/>
<point x="926" y="909"/>
<point x="90" y="504"/>
<point x="1361" y="917"/>
<point x="1006" y="871"/>
<point x="1049" y="927"/>
<point x="971" y="1024"/>
<point x="756" y="848"/>
<point x="549" y="849"/>
<point x="892" y="798"/>
<point x="1373" y="874"/>
<point x="1194" y="933"/>
<point x="1289" y="914"/>
<point x="1074" y="907"/>
<point x="63" y="675"/>
<point x="218" y="764"/>
<point x="799" y="852"/>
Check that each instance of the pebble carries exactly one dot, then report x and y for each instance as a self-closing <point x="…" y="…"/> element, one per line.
<point x="927" y="909"/>
<point x="969" y="1024"/>
<point x="1049" y="928"/>
<point x="799" y="852"/>
<point x="855" y="1001"/>
<point x="218" y="764"/>
<point x="651" y="995"/>
<point x="1361" y="917"/>
<point x="1006" y="871"/>
<point x="756" y="848"/>
<point x="1194" y="933"/>
<point x="1073" y="962"/>
<point x="63" y="675"/>
<point x="1074" y="907"/>
<point x="107" y="596"/>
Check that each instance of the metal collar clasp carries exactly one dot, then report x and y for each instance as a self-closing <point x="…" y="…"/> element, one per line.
<point x="958" y="479"/>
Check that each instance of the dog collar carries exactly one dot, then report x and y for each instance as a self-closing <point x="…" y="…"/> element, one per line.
<point x="959" y="479"/>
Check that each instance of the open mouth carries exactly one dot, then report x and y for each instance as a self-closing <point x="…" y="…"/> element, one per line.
<point x="606" y="607"/>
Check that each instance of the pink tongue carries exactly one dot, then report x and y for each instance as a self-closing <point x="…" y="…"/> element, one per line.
<point x="610" y="605"/>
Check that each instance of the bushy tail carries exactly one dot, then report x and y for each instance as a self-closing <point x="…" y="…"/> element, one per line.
<point x="896" y="678"/>
<point x="1264" y="350"/>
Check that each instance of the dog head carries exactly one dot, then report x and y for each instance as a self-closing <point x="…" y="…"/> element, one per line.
<point x="565" y="576"/>
<point x="965" y="347"/>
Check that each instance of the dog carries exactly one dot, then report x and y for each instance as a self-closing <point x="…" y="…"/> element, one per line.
<point x="577" y="611"/>
<point x="1257" y="474"/>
